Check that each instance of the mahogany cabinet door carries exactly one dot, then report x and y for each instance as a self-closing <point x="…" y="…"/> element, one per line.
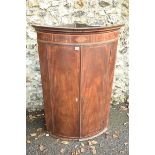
<point x="94" y="88"/>
<point x="63" y="68"/>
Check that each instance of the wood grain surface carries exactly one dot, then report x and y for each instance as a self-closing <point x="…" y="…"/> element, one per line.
<point x="63" y="64"/>
<point x="77" y="70"/>
<point x="93" y="88"/>
<point x="45" y="85"/>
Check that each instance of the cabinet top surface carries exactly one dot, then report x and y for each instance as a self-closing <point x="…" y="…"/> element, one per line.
<point x="76" y="28"/>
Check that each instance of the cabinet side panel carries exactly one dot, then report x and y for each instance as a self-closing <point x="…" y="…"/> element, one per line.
<point x="111" y="67"/>
<point x="64" y="82"/>
<point x="45" y="85"/>
<point x="94" y="69"/>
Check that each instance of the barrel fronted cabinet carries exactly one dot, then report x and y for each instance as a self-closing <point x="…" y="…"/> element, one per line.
<point x="77" y="67"/>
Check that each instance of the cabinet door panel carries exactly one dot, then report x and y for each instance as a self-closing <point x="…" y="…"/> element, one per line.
<point x="63" y="65"/>
<point x="94" y="82"/>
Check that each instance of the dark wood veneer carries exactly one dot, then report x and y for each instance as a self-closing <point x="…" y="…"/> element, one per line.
<point x="77" y="68"/>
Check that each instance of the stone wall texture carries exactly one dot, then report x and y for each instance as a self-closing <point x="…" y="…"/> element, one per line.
<point x="93" y="12"/>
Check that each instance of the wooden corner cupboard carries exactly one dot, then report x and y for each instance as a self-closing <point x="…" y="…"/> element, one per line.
<point x="77" y="67"/>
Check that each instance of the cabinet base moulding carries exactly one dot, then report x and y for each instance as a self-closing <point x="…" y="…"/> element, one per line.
<point x="89" y="137"/>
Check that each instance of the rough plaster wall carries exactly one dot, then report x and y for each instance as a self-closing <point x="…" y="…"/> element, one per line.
<point x="93" y="12"/>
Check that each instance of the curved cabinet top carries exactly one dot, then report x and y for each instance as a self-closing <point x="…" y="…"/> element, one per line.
<point x="76" y="28"/>
<point x="74" y="34"/>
